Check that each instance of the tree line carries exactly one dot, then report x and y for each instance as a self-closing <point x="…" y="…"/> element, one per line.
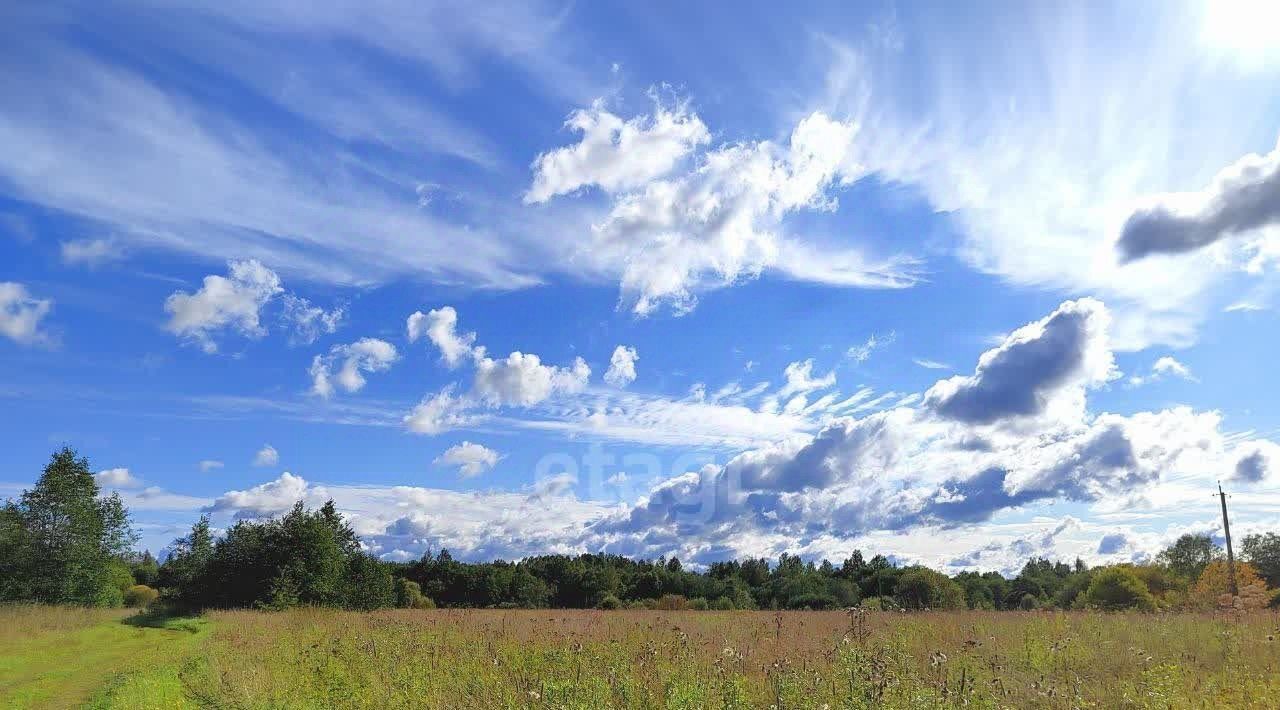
<point x="63" y="542"/>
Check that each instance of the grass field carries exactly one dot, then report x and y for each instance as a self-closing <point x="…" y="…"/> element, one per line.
<point x="590" y="659"/>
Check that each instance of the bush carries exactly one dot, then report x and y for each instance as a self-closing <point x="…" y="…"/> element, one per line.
<point x="698" y="604"/>
<point x="609" y="602"/>
<point x="1118" y="588"/>
<point x="671" y="602"/>
<point x="923" y="588"/>
<point x="640" y="604"/>
<point x="140" y="596"/>
<point x="726" y="604"/>
<point x="812" y="601"/>
<point x="872" y="604"/>
<point x="1028" y="602"/>
<point x="409" y="595"/>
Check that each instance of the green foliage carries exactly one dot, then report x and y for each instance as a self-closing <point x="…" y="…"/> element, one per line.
<point x="698" y="604"/>
<point x="1189" y="555"/>
<point x="140" y="596"/>
<point x="923" y="588"/>
<point x="722" y="604"/>
<point x="303" y="558"/>
<point x="409" y="595"/>
<point x="609" y="602"/>
<point x="61" y="542"/>
<point x="1028" y="602"/>
<point x="1263" y="552"/>
<point x="1118" y="588"/>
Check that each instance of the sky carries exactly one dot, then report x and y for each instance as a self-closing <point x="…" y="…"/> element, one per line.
<point x="958" y="286"/>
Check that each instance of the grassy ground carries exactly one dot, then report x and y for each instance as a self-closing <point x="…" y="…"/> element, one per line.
<point x="587" y="659"/>
<point x="56" y="657"/>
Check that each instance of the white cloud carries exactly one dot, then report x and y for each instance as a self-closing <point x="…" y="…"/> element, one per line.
<point x="208" y="465"/>
<point x="861" y="353"/>
<point x="719" y="221"/>
<point x="930" y="364"/>
<point x="20" y="314"/>
<point x="800" y="379"/>
<point x="470" y="459"/>
<point x="307" y="322"/>
<point x="231" y="302"/>
<point x="622" y="366"/>
<point x="364" y="355"/>
<point x="117" y="478"/>
<point x="267" y="499"/>
<point x="266" y="456"/>
<point x="521" y="379"/>
<point x="90" y="252"/>
<point x="440" y="412"/>
<point x="1166" y="366"/>
<point x="440" y="327"/>
<point x="617" y="154"/>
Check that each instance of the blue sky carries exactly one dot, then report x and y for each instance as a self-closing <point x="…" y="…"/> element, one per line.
<point x="713" y="281"/>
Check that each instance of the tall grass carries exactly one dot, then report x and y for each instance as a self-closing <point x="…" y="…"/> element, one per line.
<point x="591" y="659"/>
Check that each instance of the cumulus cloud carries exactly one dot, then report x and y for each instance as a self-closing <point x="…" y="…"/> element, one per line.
<point x="440" y="326"/>
<point x="266" y="456"/>
<point x="364" y="355"/>
<point x="1258" y="460"/>
<point x="208" y="465"/>
<point x="232" y="302"/>
<point x="20" y="314"/>
<point x="117" y="478"/>
<point x="1166" y="366"/>
<point x="90" y="252"/>
<point x="1113" y="543"/>
<point x="1055" y="358"/>
<point x="470" y="459"/>
<point x="267" y="499"/>
<point x="617" y="154"/>
<point x="521" y="379"/>
<point x="923" y="467"/>
<point x="719" y="221"/>
<point x="622" y="366"/>
<point x="440" y="412"/>
<point x="1243" y="197"/>
<point x="307" y="322"/>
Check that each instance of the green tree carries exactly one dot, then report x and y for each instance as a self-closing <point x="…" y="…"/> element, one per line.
<point x="1118" y="588"/>
<point x="62" y="541"/>
<point x="923" y="588"/>
<point x="1189" y="555"/>
<point x="184" y="575"/>
<point x="1263" y="552"/>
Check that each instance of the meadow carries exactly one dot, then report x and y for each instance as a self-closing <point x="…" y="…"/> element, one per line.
<point x="323" y="658"/>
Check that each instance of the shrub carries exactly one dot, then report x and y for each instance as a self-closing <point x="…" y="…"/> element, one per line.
<point x="409" y="595"/>
<point x="1215" y="581"/>
<point x="671" y="602"/>
<point x="1028" y="602"/>
<point x="1117" y="588"/>
<point x="726" y="604"/>
<point x="638" y="604"/>
<point x="140" y="596"/>
<point x="812" y="601"/>
<point x="921" y="587"/>
<point x="872" y="604"/>
<point x="698" y="604"/>
<point x="609" y="602"/>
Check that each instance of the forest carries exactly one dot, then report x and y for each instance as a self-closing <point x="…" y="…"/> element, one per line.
<point x="63" y="542"/>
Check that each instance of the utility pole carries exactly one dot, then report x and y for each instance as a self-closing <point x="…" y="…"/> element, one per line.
<point x="1226" y="529"/>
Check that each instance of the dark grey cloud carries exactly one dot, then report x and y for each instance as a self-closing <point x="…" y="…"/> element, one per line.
<point x="1243" y="197"/>
<point x="1254" y="466"/>
<point x="1020" y="377"/>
